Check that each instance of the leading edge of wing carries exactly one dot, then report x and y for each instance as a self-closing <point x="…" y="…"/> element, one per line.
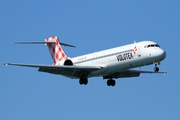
<point x="56" y="67"/>
<point x="143" y="71"/>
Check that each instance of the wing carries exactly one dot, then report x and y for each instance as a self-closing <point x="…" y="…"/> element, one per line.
<point x="143" y="71"/>
<point x="68" y="71"/>
<point x="130" y="73"/>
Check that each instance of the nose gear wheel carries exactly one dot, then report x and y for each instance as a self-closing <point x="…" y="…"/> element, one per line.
<point x="156" y="69"/>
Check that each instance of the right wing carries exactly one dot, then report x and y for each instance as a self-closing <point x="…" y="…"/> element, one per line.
<point x="68" y="71"/>
<point x="130" y="73"/>
<point x="143" y="71"/>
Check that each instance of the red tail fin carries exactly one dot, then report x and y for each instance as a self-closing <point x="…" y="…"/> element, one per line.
<point x="55" y="49"/>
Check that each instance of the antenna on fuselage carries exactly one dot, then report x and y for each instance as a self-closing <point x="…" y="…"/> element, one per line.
<point x="134" y="41"/>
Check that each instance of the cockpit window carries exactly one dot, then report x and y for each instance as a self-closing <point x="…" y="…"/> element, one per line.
<point x="157" y="45"/>
<point x="153" y="45"/>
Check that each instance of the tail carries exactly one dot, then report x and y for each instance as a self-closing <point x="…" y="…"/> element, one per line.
<point x="55" y="49"/>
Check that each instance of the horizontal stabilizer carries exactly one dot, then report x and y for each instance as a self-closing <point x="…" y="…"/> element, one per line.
<point x="64" y="44"/>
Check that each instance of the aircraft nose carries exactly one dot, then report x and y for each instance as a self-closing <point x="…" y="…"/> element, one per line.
<point x="164" y="54"/>
<point x="160" y="54"/>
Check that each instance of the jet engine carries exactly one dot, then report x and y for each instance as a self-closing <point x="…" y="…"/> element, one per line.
<point x="67" y="62"/>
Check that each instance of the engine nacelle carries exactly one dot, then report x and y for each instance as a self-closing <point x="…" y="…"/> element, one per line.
<point x="68" y="62"/>
<point x="65" y="62"/>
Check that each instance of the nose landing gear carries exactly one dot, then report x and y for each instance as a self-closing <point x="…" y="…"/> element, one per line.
<point x="156" y="69"/>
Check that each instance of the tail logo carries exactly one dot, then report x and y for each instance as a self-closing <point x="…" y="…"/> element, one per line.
<point x="56" y="50"/>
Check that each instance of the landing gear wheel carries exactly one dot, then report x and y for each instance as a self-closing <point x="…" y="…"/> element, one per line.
<point x="83" y="81"/>
<point x="108" y="82"/>
<point x="156" y="69"/>
<point x="111" y="82"/>
<point x="80" y="81"/>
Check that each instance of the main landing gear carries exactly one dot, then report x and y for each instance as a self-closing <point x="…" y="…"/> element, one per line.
<point x="111" y="82"/>
<point x="156" y="69"/>
<point x="83" y="81"/>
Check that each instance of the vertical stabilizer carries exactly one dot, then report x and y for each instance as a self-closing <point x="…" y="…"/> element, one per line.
<point x="55" y="49"/>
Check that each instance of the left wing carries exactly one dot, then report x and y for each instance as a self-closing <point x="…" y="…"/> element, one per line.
<point x="68" y="71"/>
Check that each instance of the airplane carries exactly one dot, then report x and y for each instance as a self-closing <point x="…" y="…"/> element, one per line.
<point x="110" y="64"/>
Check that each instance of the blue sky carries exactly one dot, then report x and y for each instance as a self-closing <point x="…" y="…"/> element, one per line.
<point x="92" y="25"/>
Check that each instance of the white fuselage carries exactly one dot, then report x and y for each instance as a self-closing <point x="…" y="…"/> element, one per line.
<point x="122" y="58"/>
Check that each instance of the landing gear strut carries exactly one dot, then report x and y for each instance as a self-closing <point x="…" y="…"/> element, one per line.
<point x="111" y="82"/>
<point x="156" y="69"/>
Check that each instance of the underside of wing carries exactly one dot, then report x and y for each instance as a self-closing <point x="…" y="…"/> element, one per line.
<point x="74" y="72"/>
<point x="68" y="71"/>
<point x="143" y="71"/>
<point x="130" y="73"/>
<point x="124" y="74"/>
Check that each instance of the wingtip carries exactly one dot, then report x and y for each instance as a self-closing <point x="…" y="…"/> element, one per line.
<point x="17" y="43"/>
<point x="6" y="64"/>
